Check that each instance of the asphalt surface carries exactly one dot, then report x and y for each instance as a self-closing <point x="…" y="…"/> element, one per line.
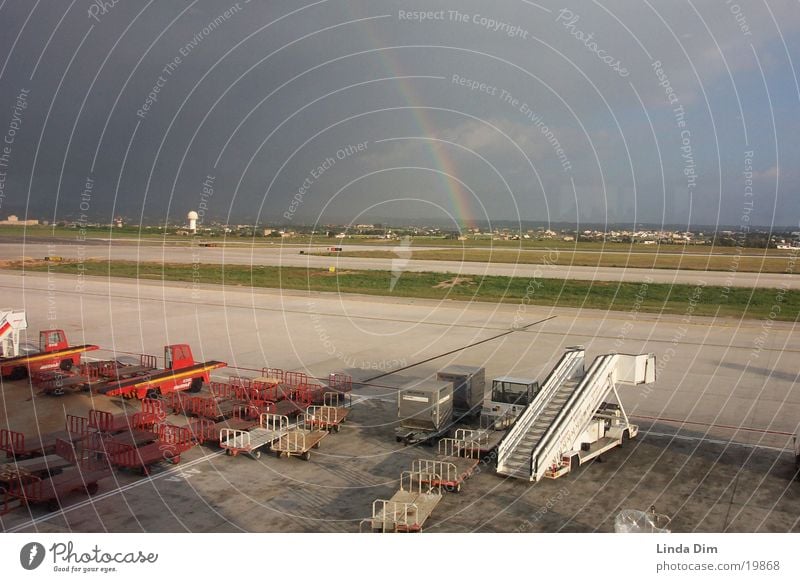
<point x="291" y="257"/>
<point x="717" y="460"/>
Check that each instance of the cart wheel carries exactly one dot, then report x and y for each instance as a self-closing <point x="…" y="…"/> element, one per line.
<point x="398" y="439"/>
<point x="197" y="385"/>
<point x="316" y="445"/>
<point x="257" y="454"/>
<point x="574" y="463"/>
<point x="153" y="394"/>
<point x="278" y="454"/>
<point x="306" y="456"/>
<point x="53" y="505"/>
<point x="228" y="452"/>
<point x="335" y="428"/>
<point x="626" y="436"/>
<point x="458" y="488"/>
<point x="92" y="488"/>
<point x="176" y="459"/>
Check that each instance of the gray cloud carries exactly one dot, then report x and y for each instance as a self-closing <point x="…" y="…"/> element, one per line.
<point x="148" y="99"/>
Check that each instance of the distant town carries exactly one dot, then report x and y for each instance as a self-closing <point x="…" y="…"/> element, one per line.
<point x="779" y="238"/>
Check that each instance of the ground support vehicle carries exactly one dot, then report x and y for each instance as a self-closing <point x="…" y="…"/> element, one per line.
<point x="299" y="441"/>
<point x="570" y="422"/>
<point x="54" y="353"/>
<point x="469" y="388"/>
<point x="17" y="445"/>
<point x="486" y="439"/>
<point x="220" y="410"/>
<point x="152" y="412"/>
<point x="83" y="475"/>
<point x="332" y="414"/>
<point x="180" y="402"/>
<point x="271" y="427"/>
<point x="507" y="399"/>
<point x="455" y="463"/>
<point x="170" y="443"/>
<point x="425" y="410"/>
<point x="409" y="508"/>
<point x="29" y="469"/>
<point x="93" y="375"/>
<point x="180" y="373"/>
<point x="205" y="430"/>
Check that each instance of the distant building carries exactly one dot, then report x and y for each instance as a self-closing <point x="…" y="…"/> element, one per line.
<point x="14" y="219"/>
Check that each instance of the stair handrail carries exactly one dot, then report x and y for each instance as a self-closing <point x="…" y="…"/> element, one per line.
<point x="562" y="371"/>
<point x="597" y="382"/>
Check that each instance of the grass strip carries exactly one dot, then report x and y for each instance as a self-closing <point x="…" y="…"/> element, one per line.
<point x="683" y="299"/>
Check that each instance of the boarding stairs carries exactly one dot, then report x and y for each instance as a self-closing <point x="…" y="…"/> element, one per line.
<point x="513" y="452"/>
<point x="12" y="322"/>
<point x="563" y="410"/>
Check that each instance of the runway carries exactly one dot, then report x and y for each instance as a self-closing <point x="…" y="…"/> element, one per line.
<point x="291" y="257"/>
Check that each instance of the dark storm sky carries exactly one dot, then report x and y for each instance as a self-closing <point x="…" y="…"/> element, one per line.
<point x="498" y="110"/>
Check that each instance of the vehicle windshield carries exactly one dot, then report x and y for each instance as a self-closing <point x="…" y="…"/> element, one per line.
<point x="510" y="393"/>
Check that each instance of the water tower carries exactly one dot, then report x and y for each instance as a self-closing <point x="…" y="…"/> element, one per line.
<point x="192" y="217"/>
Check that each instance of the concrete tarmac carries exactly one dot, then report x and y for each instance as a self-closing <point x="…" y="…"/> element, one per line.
<point x="713" y="453"/>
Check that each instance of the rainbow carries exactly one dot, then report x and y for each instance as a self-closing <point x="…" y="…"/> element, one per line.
<point x="460" y="199"/>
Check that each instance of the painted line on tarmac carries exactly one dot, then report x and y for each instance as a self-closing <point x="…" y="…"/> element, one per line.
<point x="715" y="441"/>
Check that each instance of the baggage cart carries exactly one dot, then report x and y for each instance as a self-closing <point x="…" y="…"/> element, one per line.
<point x="409" y="508"/>
<point x="17" y="445"/>
<point x="83" y="476"/>
<point x="332" y="414"/>
<point x="271" y="427"/>
<point x="456" y="462"/>
<point x="300" y="441"/>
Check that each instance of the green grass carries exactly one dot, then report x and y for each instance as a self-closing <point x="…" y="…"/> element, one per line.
<point x="642" y="260"/>
<point x="626" y="297"/>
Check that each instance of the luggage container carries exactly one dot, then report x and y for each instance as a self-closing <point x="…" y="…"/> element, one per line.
<point x="469" y="388"/>
<point x="425" y="410"/>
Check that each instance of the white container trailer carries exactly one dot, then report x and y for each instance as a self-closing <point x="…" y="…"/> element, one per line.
<point x="469" y="388"/>
<point x="425" y="410"/>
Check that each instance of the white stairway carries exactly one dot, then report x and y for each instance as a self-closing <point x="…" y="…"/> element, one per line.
<point x="514" y="451"/>
<point x="552" y="424"/>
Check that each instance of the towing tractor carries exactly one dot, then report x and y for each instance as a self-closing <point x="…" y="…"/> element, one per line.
<point x="180" y="373"/>
<point x="54" y="353"/>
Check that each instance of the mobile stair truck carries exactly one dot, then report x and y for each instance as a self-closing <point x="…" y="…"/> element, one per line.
<point x="570" y="422"/>
<point x="425" y="410"/>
